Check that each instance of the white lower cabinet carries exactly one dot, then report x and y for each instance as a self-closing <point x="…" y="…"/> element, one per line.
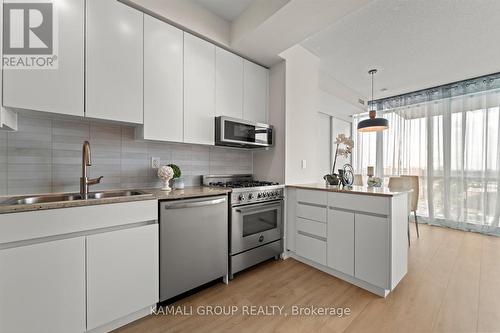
<point x="311" y="248"/>
<point x="42" y="287"/>
<point x="122" y="273"/>
<point x="340" y="241"/>
<point x="372" y="257"/>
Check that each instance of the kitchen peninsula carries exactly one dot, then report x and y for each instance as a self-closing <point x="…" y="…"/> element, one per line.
<point x="358" y="234"/>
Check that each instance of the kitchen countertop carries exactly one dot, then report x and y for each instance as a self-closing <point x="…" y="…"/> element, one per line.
<point x="187" y="193"/>
<point x="149" y="194"/>
<point x="362" y="190"/>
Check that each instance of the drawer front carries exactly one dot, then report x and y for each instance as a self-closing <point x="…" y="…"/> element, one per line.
<point x="314" y="197"/>
<point x="311" y="248"/>
<point x="361" y="203"/>
<point x="311" y="212"/>
<point x="311" y="227"/>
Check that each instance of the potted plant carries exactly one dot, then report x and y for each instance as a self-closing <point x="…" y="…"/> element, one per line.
<point x="344" y="148"/>
<point x="178" y="182"/>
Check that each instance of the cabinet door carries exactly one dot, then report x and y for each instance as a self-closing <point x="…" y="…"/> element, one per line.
<point x="228" y="84"/>
<point x="59" y="90"/>
<point x="310" y="248"/>
<point x="255" y="91"/>
<point x="340" y="241"/>
<point x="122" y="273"/>
<point x="47" y="278"/>
<point x="163" y="81"/>
<point x="372" y="250"/>
<point x="114" y="58"/>
<point x="199" y="90"/>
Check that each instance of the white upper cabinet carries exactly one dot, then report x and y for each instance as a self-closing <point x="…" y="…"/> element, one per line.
<point x="199" y="90"/>
<point x="54" y="90"/>
<point x="255" y="91"/>
<point x="163" y="81"/>
<point x="228" y="84"/>
<point x="114" y="62"/>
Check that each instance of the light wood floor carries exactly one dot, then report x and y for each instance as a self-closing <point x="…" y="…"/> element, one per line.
<point x="453" y="285"/>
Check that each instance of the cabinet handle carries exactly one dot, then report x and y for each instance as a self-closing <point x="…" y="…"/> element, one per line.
<point x="194" y="204"/>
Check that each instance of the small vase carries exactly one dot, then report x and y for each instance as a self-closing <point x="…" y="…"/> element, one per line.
<point x="178" y="183"/>
<point x="166" y="186"/>
<point x="332" y="179"/>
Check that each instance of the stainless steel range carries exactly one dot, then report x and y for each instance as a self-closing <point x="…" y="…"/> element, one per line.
<point x="256" y="219"/>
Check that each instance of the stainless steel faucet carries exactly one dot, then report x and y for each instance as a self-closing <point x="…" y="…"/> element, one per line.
<point x="84" y="180"/>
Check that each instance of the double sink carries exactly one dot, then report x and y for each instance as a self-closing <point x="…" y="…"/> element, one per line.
<point x="49" y="198"/>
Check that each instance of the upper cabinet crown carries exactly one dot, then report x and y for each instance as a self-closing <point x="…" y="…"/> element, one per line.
<point x="255" y="94"/>
<point x="57" y="90"/>
<point x="199" y="90"/>
<point x="114" y="62"/>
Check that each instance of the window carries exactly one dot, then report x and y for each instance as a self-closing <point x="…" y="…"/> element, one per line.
<point x="452" y="145"/>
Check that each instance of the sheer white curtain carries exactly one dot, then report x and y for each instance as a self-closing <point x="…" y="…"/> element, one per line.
<point x="452" y="144"/>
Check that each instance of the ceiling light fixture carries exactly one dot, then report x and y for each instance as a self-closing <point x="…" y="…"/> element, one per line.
<point x="373" y="124"/>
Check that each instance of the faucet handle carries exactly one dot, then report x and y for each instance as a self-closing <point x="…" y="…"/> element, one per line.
<point x="95" y="180"/>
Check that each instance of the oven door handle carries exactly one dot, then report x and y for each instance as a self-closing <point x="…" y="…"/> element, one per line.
<point x="258" y="207"/>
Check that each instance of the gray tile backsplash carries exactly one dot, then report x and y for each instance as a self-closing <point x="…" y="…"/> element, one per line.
<point x="44" y="155"/>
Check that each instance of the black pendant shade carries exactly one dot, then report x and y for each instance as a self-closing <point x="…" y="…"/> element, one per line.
<point x="373" y="124"/>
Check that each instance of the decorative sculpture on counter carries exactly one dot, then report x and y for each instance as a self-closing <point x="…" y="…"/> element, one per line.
<point x="348" y="143"/>
<point x="347" y="175"/>
<point x="165" y="173"/>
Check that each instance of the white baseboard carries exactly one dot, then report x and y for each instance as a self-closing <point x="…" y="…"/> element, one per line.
<point x="123" y="320"/>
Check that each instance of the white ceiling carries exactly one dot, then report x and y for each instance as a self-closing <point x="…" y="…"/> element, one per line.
<point x="227" y="9"/>
<point x="415" y="44"/>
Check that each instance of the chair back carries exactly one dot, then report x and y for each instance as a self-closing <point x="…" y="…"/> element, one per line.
<point x="414" y="195"/>
<point x="398" y="184"/>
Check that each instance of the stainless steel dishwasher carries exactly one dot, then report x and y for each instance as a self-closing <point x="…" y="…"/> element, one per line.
<point x="193" y="244"/>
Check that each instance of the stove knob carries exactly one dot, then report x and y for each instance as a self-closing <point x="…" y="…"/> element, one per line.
<point x="250" y="196"/>
<point x="241" y="197"/>
<point x="264" y="194"/>
<point x="259" y="195"/>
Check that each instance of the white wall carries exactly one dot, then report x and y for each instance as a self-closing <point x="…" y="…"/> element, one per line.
<point x="302" y="69"/>
<point x="270" y="164"/>
<point x="189" y="16"/>
<point x="306" y="96"/>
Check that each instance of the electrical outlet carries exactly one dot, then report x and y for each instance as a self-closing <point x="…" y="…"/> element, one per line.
<point x="304" y="164"/>
<point x="155" y="162"/>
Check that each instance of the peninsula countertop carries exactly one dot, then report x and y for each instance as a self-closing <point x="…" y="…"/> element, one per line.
<point x="361" y="190"/>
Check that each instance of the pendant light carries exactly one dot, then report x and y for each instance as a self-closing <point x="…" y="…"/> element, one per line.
<point x="373" y="124"/>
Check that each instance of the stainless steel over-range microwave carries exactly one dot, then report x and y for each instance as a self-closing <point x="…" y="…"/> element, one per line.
<point x="241" y="133"/>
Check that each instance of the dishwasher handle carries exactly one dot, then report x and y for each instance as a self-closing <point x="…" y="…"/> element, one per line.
<point x="177" y="205"/>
